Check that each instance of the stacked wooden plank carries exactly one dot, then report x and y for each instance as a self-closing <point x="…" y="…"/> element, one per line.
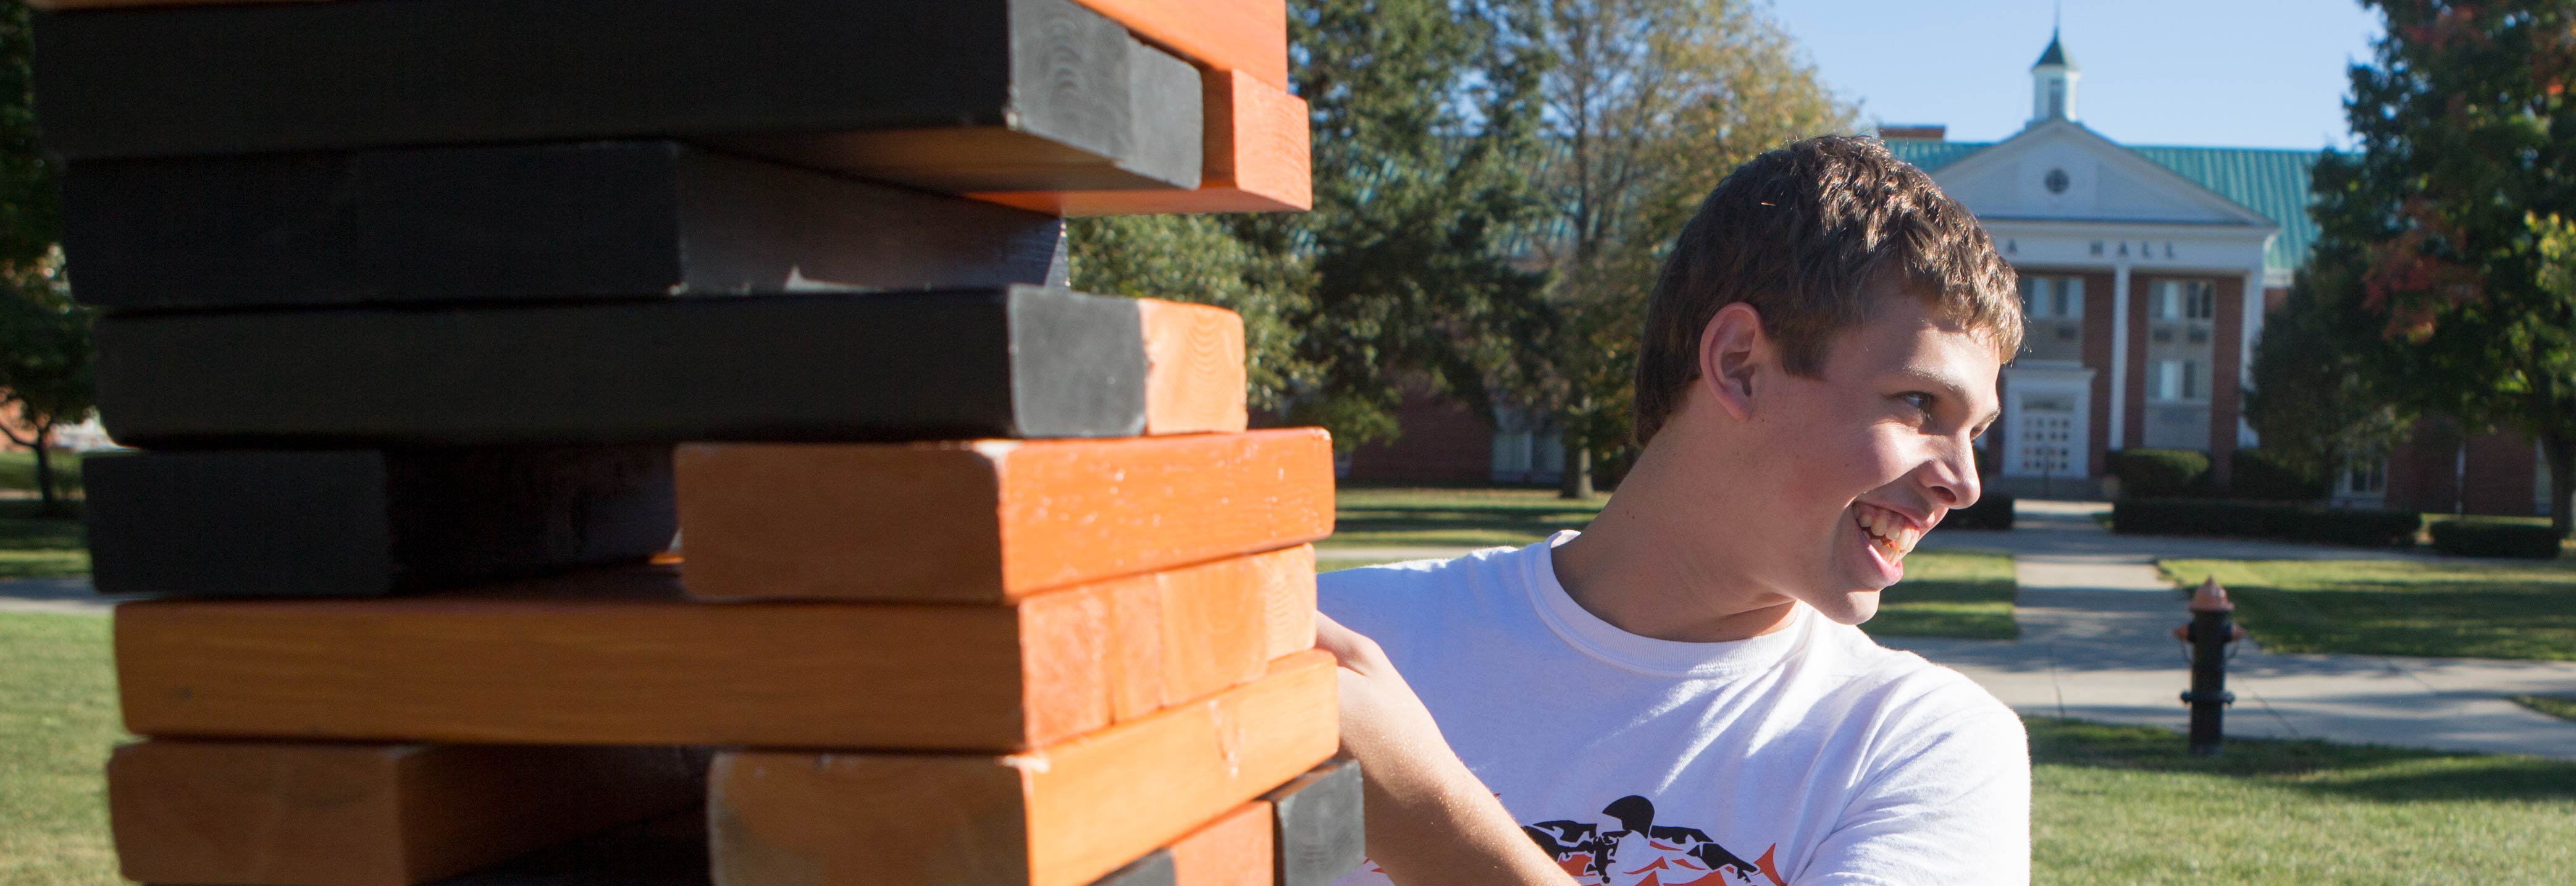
<point x="440" y="323"/>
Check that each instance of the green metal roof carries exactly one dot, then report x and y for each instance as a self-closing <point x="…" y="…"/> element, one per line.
<point x="2270" y="181"/>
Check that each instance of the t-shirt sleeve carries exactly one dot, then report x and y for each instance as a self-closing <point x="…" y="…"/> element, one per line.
<point x="1949" y="804"/>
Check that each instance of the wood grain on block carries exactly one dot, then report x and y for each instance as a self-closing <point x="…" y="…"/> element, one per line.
<point x="1183" y="634"/>
<point x="1319" y="831"/>
<point x="1015" y="361"/>
<point x="620" y="657"/>
<point x="991" y="520"/>
<point x="348" y="523"/>
<point x="1061" y="815"/>
<point x="1250" y="36"/>
<point x="1194" y="373"/>
<point x="1288" y="592"/>
<point x="953" y="96"/>
<point x="300" y="814"/>
<point x="585" y="220"/>
<point x="1233" y="850"/>
<point x="1257" y="159"/>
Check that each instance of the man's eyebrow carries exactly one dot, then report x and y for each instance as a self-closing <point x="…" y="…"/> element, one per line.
<point x="1949" y="387"/>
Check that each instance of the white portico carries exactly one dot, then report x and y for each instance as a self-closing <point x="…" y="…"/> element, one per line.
<point x="2143" y="288"/>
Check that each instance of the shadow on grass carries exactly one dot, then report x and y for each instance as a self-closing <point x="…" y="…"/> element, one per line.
<point x="2365" y="772"/>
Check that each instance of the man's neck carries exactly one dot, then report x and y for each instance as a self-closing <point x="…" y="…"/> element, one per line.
<point x="1656" y="563"/>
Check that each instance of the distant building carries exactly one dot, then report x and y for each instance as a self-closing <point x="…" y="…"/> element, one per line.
<point x="2146" y="272"/>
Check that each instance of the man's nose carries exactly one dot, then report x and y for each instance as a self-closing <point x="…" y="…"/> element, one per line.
<point x="1953" y="475"/>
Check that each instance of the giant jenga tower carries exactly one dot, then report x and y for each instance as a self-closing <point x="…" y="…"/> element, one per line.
<point x="437" y="321"/>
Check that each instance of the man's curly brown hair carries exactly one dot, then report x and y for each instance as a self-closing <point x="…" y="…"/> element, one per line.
<point x="1799" y="233"/>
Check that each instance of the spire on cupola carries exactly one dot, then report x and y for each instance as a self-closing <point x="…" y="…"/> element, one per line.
<point x="2052" y="83"/>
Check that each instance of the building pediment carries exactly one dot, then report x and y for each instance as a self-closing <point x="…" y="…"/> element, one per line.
<point x="2060" y="171"/>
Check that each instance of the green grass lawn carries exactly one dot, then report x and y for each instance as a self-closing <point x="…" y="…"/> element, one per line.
<point x="1466" y="518"/>
<point x="1950" y="593"/>
<point x="18" y="471"/>
<point x="2481" y="609"/>
<point x="2111" y="804"/>
<point x="33" y="546"/>
<point x="2127" y="805"/>
<point x="57" y="721"/>
<point x="2560" y="706"/>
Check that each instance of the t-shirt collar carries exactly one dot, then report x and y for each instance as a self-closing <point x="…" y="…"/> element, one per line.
<point x="1587" y="633"/>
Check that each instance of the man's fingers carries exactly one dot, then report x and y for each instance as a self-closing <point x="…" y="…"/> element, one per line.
<point x="1355" y="652"/>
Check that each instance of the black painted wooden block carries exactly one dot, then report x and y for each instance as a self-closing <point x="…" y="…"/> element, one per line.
<point x="592" y="219"/>
<point x="1013" y="361"/>
<point x="1320" y="833"/>
<point x="256" y="523"/>
<point x="957" y="95"/>
<point x="1155" y="869"/>
<point x="666" y="851"/>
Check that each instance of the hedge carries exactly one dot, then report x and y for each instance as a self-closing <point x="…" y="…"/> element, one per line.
<point x="2271" y="520"/>
<point x="1992" y="511"/>
<point x="2160" y="473"/>
<point x="2260" y="475"/>
<point x="2460" y="538"/>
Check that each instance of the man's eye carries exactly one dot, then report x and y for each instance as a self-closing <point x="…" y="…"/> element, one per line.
<point x="1917" y="399"/>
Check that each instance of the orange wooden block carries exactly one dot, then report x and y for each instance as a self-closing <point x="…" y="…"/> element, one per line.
<point x="1250" y="36"/>
<point x="1290" y="598"/>
<point x="988" y="521"/>
<point x="295" y="814"/>
<point x="622" y="658"/>
<point x="1062" y="815"/>
<point x="1255" y="158"/>
<point x="1234" y="850"/>
<point x="1194" y="377"/>
<point x="1186" y="633"/>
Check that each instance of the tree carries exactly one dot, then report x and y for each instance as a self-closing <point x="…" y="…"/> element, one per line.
<point x="44" y="365"/>
<point x="1647" y="103"/>
<point x="1197" y="258"/>
<point x="44" y="337"/>
<point x="2435" y="226"/>
<point x="1424" y="137"/>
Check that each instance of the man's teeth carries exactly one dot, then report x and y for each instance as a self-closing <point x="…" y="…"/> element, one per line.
<point x="1891" y="533"/>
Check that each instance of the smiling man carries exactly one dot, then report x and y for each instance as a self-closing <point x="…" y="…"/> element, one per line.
<point x="1678" y="694"/>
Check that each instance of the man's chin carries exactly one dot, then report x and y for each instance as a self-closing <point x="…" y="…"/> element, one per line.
<point x="1850" y="607"/>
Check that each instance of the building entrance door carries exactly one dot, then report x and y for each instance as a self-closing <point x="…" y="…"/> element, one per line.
<point x="2045" y="432"/>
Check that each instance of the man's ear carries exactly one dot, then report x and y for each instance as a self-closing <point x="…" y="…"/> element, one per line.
<point x="1732" y="350"/>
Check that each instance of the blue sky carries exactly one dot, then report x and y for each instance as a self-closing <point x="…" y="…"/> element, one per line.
<point x="2221" y="73"/>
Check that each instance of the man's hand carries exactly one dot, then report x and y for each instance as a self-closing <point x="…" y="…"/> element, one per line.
<point x="1431" y="822"/>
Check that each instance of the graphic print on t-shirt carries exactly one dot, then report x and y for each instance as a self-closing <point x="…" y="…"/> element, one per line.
<point x="1632" y="850"/>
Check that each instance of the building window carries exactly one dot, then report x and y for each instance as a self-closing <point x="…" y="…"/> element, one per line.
<point x="2056" y="99"/>
<point x="2184" y="300"/>
<point x="2181" y="380"/>
<point x="2362" y="479"/>
<point x="2053" y="308"/>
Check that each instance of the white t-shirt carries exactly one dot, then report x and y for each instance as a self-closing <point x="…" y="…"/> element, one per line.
<point x="1809" y="755"/>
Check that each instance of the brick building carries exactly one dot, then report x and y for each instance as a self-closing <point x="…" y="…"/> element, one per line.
<point x="2146" y="273"/>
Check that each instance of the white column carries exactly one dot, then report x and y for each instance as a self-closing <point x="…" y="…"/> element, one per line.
<point x="2119" y="354"/>
<point x="2253" y="330"/>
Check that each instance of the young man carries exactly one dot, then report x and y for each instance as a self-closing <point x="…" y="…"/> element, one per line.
<point x="1678" y="694"/>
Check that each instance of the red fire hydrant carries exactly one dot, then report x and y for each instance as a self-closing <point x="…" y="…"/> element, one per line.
<point x="2209" y="632"/>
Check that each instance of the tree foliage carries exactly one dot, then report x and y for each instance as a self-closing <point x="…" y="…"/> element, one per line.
<point x="1197" y="258"/>
<point x="1647" y="103"/>
<point x="2466" y="147"/>
<point x="44" y="337"/>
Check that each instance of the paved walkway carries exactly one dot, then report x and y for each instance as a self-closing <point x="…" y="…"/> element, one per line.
<point x="2096" y="644"/>
<point x="64" y="595"/>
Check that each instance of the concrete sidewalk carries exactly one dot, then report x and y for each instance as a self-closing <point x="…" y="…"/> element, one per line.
<point x="2096" y="644"/>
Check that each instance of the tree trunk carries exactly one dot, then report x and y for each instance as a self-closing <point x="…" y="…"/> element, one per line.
<point x="45" y="503"/>
<point x="2561" y="451"/>
<point x="1576" y="481"/>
